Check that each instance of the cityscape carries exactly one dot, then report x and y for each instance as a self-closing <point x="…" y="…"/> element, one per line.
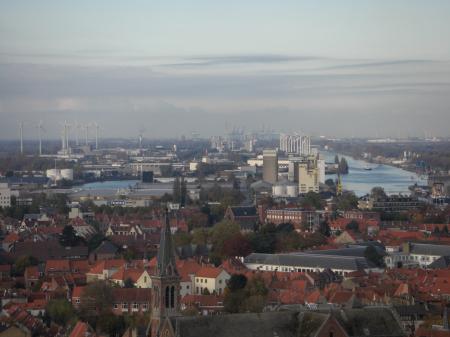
<point x="160" y="181"/>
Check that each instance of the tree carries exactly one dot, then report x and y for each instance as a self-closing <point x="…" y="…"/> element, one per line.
<point x="353" y="226"/>
<point x="95" y="241"/>
<point x="23" y="262"/>
<point x="347" y="201"/>
<point x="378" y="192"/>
<point x="112" y="325"/>
<point x="237" y="245"/>
<point x="236" y="282"/>
<point x="183" y="192"/>
<point x="264" y="241"/>
<point x="336" y="159"/>
<point x="128" y="283"/>
<point x="235" y="293"/>
<point x="97" y="299"/>
<point x="68" y="237"/>
<point x="330" y="183"/>
<point x="60" y="311"/>
<point x="200" y="236"/>
<point x="312" y="199"/>
<point x="343" y="166"/>
<point x="182" y="239"/>
<point x="223" y="231"/>
<point x="176" y="190"/>
<point x="324" y="228"/>
<point x="373" y="256"/>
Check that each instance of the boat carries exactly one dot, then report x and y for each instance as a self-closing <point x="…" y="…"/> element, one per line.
<point x="367" y="168"/>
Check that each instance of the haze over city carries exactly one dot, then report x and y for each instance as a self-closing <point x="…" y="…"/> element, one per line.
<point x="335" y="68"/>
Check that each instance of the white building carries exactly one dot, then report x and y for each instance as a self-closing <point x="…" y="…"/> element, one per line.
<point x="306" y="262"/>
<point x="212" y="279"/>
<point x="416" y="255"/>
<point x="295" y="144"/>
<point x="5" y="195"/>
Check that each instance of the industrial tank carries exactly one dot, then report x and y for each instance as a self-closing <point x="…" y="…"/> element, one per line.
<point x="67" y="174"/>
<point x="279" y="190"/>
<point x="292" y="190"/>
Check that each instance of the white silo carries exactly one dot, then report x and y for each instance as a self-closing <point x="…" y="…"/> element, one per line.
<point x="292" y="190"/>
<point x="279" y="190"/>
<point x="52" y="174"/>
<point x="67" y="174"/>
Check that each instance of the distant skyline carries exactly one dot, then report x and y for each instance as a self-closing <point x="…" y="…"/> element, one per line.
<point x="335" y="68"/>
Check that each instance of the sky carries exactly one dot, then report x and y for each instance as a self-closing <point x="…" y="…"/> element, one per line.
<point x="170" y="68"/>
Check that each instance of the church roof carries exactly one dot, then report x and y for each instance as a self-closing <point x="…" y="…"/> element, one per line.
<point x="166" y="251"/>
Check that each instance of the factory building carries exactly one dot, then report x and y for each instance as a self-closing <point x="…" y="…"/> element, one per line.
<point x="270" y="166"/>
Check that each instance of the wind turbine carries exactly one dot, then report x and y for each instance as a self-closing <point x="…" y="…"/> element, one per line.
<point x="86" y="134"/>
<point x="97" y="127"/>
<point x="77" y="128"/>
<point x="141" y="137"/>
<point x="65" y="136"/>
<point x="40" y="128"/>
<point x="21" y="137"/>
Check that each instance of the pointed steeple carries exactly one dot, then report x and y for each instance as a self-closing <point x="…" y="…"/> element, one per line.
<point x="166" y="265"/>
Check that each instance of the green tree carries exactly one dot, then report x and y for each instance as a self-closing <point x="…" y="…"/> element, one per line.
<point x="23" y="262"/>
<point x="353" y="226"/>
<point x="112" y="325"/>
<point x="373" y="256"/>
<point x="68" y="237"/>
<point x="235" y="293"/>
<point x="97" y="299"/>
<point x="200" y="236"/>
<point x="312" y="199"/>
<point x="60" y="311"/>
<point x="236" y="282"/>
<point x="223" y="231"/>
<point x="343" y="166"/>
<point x="176" y="190"/>
<point x="128" y="283"/>
<point x="347" y="201"/>
<point x="183" y="192"/>
<point x="378" y="192"/>
<point x="324" y="228"/>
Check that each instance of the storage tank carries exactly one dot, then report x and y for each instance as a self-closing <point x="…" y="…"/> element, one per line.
<point x="292" y="190"/>
<point x="67" y="174"/>
<point x="279" y="190"/>
<point x="52" y="174"/>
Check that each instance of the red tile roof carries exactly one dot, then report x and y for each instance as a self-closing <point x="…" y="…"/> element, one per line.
<point x="81" y="329"/>
<point x="208" y="272"/>
<point x="11" y="238"/>
<point x="57" y="266"/>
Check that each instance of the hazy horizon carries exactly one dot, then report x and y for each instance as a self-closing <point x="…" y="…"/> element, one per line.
<point x="347" y="68"/>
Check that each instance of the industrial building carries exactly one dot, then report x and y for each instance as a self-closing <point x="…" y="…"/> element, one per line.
<point x="296" y="144"/>
<point x="270" y="166"/>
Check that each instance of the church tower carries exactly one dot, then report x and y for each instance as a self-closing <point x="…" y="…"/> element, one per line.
<point x="165" y="285"/>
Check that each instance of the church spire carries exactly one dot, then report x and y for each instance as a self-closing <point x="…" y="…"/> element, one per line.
<point x="165" y="285"/>
<point x="166" y="265"/>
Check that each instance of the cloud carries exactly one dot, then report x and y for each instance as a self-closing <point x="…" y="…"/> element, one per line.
<point x="202" y="61"/>
<point x="203" y="99"/>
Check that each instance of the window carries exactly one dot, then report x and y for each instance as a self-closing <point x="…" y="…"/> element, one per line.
<point x="172" y="297"/>
<point x="116" y="306"/>
<point x="124" y="305"/>
<point x="77" y="301"/>
<point x="220" y="281"/>
<point x="167" y="297"/>
<point x="145" y="278"/>
<point x="135" y="305"/>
